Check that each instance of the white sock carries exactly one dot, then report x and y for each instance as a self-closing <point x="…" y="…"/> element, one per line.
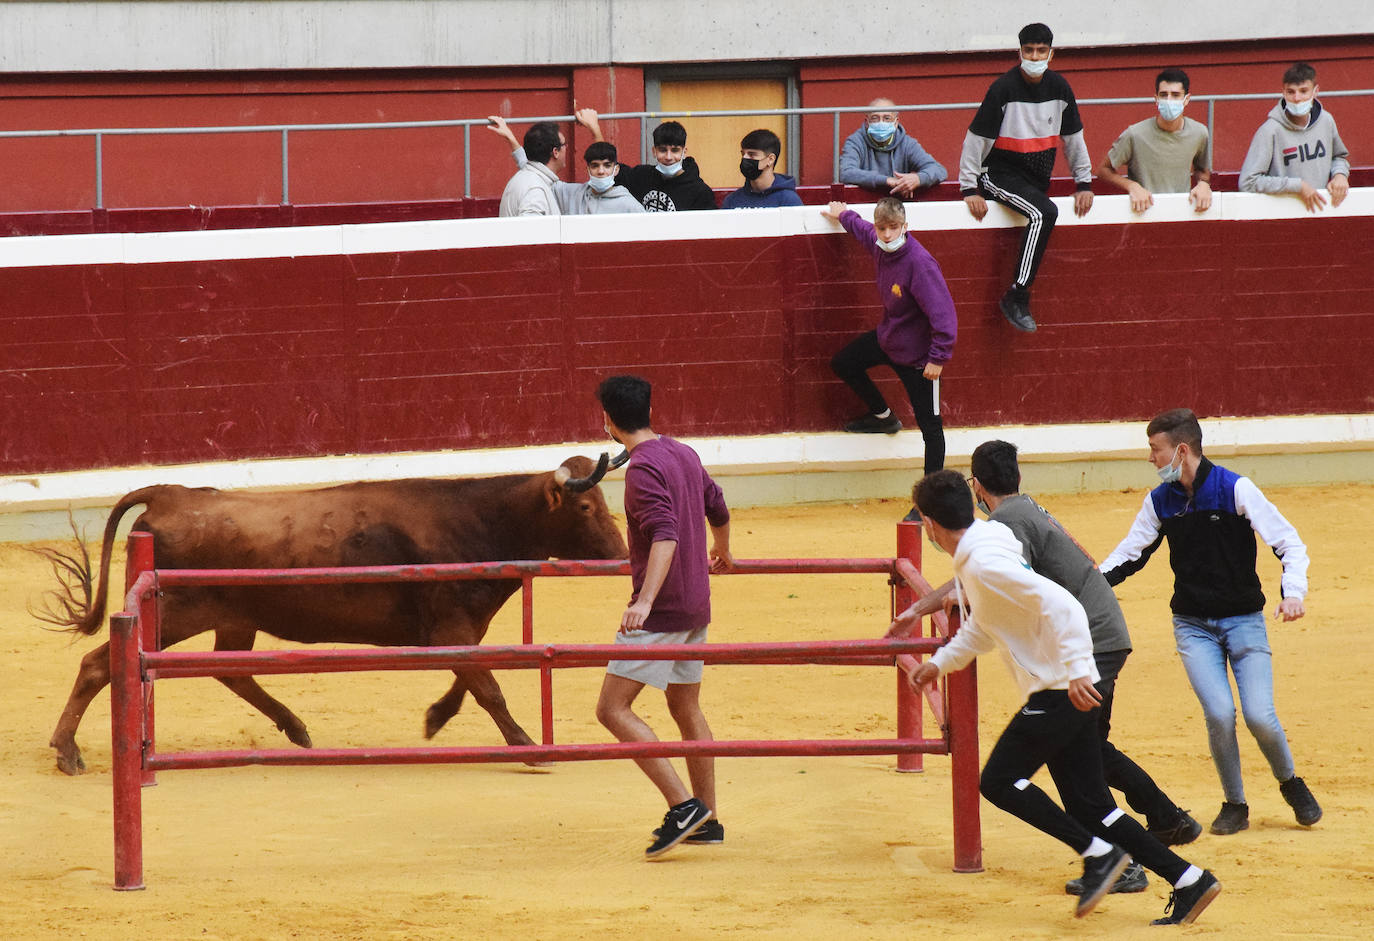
<point x="1098" y="847"/>
<point x="1190" y="875"/>
<point x="883" y="414"/>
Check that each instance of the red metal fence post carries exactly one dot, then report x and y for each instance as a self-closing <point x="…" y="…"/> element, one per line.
<point x="908" y="702"/>
<point x="961" y="690"/>
<point x="127" y="731"/>
<point x="140" y="560"/>
<point x="545" y="671"/>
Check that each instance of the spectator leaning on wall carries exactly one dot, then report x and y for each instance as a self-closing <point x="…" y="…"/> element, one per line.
<point x="598" y="195"/>
<point x="1297" y="149"/>
<point x="1163" y="153"/>
<point x="882" y="156"/>
<point x="763" y="185"/>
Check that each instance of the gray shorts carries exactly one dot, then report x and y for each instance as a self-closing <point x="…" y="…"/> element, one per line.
<point x="658" y="673"/>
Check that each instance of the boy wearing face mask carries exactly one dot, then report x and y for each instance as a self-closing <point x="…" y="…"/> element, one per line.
<point x="915" y="336"/>
<point x="1009" y="153"/>
<point x="672" y="182"/>
<point x="882" y="156"/>
<point x="598" y="195"/>
<point x="1298" y="150"/>
<point x="763" y="186"/>
<point x="1210" y="517"/>
<point x="1163" y="153"/>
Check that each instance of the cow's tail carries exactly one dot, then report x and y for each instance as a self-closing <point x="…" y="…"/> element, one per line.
<point x="70" y="606"/>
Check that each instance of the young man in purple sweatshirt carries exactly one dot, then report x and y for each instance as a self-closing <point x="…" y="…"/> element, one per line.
<point x="667" y="494"/>
<point x="915" y="336"/>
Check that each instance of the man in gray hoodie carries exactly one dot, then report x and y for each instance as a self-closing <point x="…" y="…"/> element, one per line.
<point x="1297" y="149"/>
<point x="882" y="156"/>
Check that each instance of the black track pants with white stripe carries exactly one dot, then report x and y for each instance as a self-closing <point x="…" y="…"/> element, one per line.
<point x="1021" y="195"/>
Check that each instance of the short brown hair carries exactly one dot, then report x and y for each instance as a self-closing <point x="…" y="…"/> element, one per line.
<point x="1180" y="425"/>
<point x="889" y="207"/>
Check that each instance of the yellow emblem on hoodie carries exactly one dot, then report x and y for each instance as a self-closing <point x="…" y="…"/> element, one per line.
<point x="896" y="290"/>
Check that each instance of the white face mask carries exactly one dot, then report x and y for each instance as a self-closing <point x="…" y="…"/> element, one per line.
<point x="1169" y="108"/>
<point x="601" y="183"/>
<point x="1299" y="108"/>
<point x="1169" y="473"/>
<point x="893" y="245"/>
<point x="1034" y="67"/>
<point x="670" y="170"/>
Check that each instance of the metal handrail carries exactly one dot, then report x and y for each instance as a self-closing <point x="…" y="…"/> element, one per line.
<point x="467" y="124"/>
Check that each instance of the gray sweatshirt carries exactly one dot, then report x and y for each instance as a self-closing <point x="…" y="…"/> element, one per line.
<point x="1283" y="155"/>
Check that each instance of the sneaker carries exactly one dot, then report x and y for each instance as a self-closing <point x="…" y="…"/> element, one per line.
<point x="1183" y="829"/>
<point x="1099" y="875"/>
<point x="1185" y="905"/>
<point x="873" y="425"/>
<point x="1305" y="806"/>
<point x="710" y="833"/>
<point x="1132" y="879"/>
<point x="1232" y="819"/>
<point x="1017" y="311"/>
<point x="680" y="822"/>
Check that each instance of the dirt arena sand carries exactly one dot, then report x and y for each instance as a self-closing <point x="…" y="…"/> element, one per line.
<point x="816" y="848"/>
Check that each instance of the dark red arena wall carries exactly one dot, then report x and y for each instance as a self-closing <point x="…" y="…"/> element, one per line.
<point x="184" y="361"/>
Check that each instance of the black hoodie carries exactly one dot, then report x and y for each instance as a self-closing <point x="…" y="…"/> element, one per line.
<point x="659" y="193"/>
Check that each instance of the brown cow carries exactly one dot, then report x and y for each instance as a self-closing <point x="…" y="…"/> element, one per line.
<point x="526" y="516"/>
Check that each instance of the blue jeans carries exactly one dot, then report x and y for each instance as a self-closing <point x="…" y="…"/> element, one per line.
<point x="1207" y="645"/>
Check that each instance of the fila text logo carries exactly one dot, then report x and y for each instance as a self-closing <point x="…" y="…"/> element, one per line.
<point x="1304" y="152"/>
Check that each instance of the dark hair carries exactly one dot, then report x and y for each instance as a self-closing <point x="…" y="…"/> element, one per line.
<point x="626" y="400"/>
<point x="762" y="139"/>
<point x="1180" y="425"/>
<point x="541" y="140"/>
<point x="889" y="207"/>
<point x="1171" y="75"/>
<point x="945" y="498"/>
<point x="600" y="150"/>
<point x="670" y="134"/>
<point x="994" y="464"/>
<point x="1035" y="33"/>
<point x="1298" y="73"/>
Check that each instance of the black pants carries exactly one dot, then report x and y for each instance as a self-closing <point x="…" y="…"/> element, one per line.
<point x="1121" y="773"/>
<point x="1022" y="195"/>
<point x="863" y="353"/>
<point x="1049" y="731"/>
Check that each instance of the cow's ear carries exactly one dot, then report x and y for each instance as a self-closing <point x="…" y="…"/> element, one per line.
<point x="553" y="489"/>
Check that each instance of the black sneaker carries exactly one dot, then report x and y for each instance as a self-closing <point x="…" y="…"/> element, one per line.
<point x="1185" y="905"/>
<point x="1100" y="873"/>
<point x="1182" y="829"/>
<point x="1132" y="879"/>
<point x="680" y="822"/>
<point x="710" y="833"/>
<point x="1017" y="311"/>
<point x="1232" y="819"/>
<point x="873" y="425"/>
<point x="1305" y="806"/>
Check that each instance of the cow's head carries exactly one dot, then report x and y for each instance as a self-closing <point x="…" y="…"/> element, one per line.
<point x="579" y="524"/>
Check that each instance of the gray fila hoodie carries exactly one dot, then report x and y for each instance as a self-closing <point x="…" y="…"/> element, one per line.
<point x="1283" y="155"/>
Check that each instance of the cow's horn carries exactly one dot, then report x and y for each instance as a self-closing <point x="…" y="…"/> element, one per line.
<point x="579" y="484"/>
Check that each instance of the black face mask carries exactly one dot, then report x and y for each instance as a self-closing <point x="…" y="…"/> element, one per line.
<point x="749" y="168"/>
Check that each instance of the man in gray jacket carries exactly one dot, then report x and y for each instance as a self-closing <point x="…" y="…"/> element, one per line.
<point x="1297" y="149"/>
<point x="882" y="156"/>
<point x="530" y="191"/>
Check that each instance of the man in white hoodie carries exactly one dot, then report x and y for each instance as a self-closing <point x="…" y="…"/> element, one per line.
<point x="1297" y="150"/>
<point x="1043" y="633"/>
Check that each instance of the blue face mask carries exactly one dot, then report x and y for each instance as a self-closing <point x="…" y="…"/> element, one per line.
<point x="982" y="505"/>
<point x="1169" y="108"/>
<point x="1169" y="473"/>
<point x="893" y="245"/>
<point x="601" y="183"/>
<point x="882" y="131"/>
<point x="670" y="170"/>
<point x="1300" y="108"/>
<point x="1034" y="67"/>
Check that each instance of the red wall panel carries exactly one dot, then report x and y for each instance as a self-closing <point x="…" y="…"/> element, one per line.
<point x="107" y="365"/>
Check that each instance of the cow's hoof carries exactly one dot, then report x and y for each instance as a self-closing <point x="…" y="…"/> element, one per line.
<point x="541" y="765"/>
<point x="435" y="719"/>
<point x="71" y="762"/>
<point x="297" y="735"/>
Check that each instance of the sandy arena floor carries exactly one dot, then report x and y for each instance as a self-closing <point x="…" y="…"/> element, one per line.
<point x="816" y="848"/>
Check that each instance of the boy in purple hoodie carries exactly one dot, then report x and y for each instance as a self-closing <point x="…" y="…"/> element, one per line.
<point x="915" y="336"/>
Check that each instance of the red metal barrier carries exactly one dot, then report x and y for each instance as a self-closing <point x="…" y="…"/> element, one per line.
<point x="135" y="664"/>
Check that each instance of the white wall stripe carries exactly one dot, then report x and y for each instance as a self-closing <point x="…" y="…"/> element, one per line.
<point x="387" y="237"/>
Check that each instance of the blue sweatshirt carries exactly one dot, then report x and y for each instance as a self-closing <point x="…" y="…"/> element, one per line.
<point x="783" y="192"/>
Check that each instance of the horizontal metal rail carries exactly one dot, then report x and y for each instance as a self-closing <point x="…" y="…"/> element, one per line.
<point x="467" y="124"/>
